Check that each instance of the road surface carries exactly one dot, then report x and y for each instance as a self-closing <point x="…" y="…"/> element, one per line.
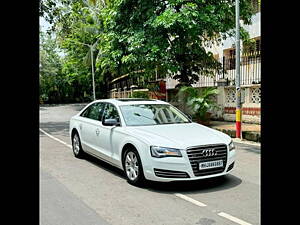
<point x="91" y="192"/>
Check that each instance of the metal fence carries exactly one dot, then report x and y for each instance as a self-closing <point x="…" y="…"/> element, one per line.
<point x="250" y="71"/>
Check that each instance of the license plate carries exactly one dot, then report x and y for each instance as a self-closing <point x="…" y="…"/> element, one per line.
<point x="211" y="164"/>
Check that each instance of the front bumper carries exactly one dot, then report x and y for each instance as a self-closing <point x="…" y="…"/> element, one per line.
<point x="181" y="164"/>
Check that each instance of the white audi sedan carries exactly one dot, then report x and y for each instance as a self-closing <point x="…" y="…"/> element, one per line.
<point x="150" y="139"/>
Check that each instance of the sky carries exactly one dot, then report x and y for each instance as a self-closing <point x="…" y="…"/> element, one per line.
<point x="44" y="24"/>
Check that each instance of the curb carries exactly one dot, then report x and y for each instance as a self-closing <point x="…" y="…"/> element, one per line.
<point x="237" y="140"/>
<point x="247" y="135"/>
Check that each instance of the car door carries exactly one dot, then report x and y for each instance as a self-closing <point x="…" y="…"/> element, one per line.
<point x="90" y="126"/>
<point x="108" y="133"/>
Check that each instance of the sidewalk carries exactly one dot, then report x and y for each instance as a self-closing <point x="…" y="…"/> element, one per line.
<point x="250" y="132"/>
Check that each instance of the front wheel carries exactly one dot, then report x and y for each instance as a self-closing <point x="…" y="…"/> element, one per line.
<point x="76" y="146"/>
<point x="133" y="167"/>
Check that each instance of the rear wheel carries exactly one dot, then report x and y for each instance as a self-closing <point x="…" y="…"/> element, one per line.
<point x="133" y="167"/>
<point x="76" y="146"/>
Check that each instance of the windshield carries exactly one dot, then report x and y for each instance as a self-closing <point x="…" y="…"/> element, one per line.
<point x="152" y="114"/>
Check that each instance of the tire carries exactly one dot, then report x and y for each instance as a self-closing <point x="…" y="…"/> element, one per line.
<point x="76" y="146"/>
<point x="133" y="168"/>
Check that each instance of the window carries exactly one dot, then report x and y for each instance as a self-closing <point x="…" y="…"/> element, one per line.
<point x="151" y="114"/>
<point x="111" y="112"/>
<point x="252" y="47"/>
<point x="101" y="111"/>
<point x="94" y="111"/>
<point x="229" y="58"/>
<point x="85" y="112"/>
<point x="251" y="51"/>
<point x="257" y="45"/>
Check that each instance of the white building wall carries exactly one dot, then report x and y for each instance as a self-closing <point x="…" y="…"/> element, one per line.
<point x="253" y="29"/>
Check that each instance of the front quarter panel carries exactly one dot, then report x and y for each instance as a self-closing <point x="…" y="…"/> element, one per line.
<point x="139" y="145"/>
<point x="74" y="124"/>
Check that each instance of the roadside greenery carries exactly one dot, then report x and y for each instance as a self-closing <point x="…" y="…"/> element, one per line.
<point x="171" y="37"/>
<point x="199" y="100"/>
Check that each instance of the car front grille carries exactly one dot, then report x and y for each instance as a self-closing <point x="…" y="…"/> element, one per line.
<point x="197" y="155"/>
<point x="170" y="173"/>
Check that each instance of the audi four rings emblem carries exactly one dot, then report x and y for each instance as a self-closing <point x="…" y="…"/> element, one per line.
<point x="209" y="152"/>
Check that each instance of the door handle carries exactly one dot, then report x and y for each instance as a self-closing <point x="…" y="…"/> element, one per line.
<point x="97" y="131"/>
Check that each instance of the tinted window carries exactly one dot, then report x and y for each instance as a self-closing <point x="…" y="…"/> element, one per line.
<point x="94" y="112"/>
<point x="85" y="112"/>
<point x="101" y="111"/>
<point x="111" y="112"/>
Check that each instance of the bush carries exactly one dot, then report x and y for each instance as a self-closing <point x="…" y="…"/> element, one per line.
<point x="199" y="100"/>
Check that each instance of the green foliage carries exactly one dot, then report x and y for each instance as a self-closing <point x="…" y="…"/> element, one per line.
<point x="140" y="94"/>
<point x="133" y="35"/>
<point x="198" y="100"/>
<point x="169" y="34"/>
<point x="51" y="80"/>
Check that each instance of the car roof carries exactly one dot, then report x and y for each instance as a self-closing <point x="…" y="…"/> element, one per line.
<point x="131" y="101"/>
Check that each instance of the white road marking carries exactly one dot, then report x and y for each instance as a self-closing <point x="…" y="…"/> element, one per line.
<point x="190" y="200"/>
<point x="234" y="219"/>
<point x="56" y="139"/>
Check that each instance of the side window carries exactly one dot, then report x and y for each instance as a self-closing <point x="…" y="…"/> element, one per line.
<point x="101" y="111"/>
<point x="111" y="112"/>
<point x="94" y="112"/>
<point x="85" y="112"/>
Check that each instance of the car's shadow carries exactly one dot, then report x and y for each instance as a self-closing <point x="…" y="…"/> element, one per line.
<point x="200" y="186"/>
<point x="214" y="184"/>
<point x="105" y="166"/>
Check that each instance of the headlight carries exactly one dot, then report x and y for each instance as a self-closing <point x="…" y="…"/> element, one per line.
<point x="231" y="146"/>
<point x="160" y="152"/>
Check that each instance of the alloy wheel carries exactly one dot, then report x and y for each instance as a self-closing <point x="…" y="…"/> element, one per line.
<point x="131" y="166"/>
<point x="76" y="144"/>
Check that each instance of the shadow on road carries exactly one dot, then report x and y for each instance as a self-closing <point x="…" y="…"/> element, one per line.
<point x="200" y="186"/>
<point x="61" y="128"/>
<point x="75" y="106"/>
<point x="188" y="187"/>
<point x="105" y="166"/>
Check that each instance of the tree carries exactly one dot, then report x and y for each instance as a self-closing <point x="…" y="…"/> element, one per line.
<point x="76" y="22"/>
<point x="51" y="80"/>
<point x="169" y="34"/>
<point x="134" y="35"/>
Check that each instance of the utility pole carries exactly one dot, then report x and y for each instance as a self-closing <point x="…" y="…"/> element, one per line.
<point x="238" y="110"/>
<point x="92" y="62"/>
<point x="93" y="73"/>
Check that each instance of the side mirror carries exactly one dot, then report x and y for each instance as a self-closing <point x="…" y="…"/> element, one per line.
<point x="111" y="122"/>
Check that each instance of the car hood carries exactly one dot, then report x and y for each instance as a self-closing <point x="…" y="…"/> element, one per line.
<point x="179" y="135"/>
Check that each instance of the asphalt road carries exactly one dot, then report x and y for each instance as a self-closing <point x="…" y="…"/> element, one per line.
<point x="91" y="192"/>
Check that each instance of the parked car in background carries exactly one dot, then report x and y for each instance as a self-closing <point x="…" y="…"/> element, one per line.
<point x="150" y="139"/>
